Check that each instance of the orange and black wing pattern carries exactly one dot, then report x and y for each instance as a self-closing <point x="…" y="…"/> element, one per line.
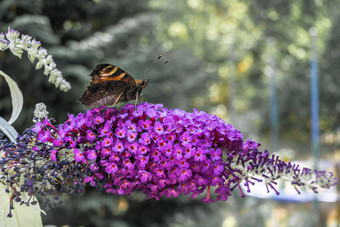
<point x="110" y="85"/>
<point x="107" y="72"/>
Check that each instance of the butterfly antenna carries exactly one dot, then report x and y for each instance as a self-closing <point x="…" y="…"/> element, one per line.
<point x="152" y="66"/>
<point x="159" y="66"/>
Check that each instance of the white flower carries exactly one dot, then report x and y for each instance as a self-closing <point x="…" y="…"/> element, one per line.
<point x="17" y="45"/>
<point x="3" y="44"/>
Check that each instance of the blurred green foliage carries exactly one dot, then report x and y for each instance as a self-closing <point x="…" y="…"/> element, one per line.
<point x="232" y="37"/>
<point x="217" y="52"/>
<point x="88" y="33"/>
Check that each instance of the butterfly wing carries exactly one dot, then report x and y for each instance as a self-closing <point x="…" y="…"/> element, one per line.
<point x="109" y="85"/>
<point x="108" y="72"/>
<point x="104" y="93"/>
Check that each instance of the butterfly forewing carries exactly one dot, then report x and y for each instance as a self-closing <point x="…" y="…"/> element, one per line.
<point x="107" y="72"/>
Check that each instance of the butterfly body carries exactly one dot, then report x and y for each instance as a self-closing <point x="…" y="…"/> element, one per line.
<point x="110" y="85"/>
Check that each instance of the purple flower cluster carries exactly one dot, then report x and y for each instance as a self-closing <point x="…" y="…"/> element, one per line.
<point x="165" y="152"/>
<point x="150" y="148"/>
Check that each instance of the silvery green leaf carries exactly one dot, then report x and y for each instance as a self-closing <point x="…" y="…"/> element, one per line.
<point x="8" y="130"/>
<point x="16" y="95"/>
<point x="22" y="215"/>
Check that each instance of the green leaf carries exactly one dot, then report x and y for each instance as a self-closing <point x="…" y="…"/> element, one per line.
<point x="8" y="130"/>
<point x="22" y="215"/>
<point x="17" y="98"/>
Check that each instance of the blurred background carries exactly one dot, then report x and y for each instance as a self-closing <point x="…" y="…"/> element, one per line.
<point x="250" y="62"/>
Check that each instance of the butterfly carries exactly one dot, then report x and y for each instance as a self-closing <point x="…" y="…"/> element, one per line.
<point x="111" y="85"/>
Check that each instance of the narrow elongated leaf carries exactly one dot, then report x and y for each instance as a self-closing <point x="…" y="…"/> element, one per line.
<point x="16" y="95"/>
<point x="8" y="130"/>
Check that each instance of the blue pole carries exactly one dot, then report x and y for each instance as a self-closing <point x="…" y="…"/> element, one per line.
<point x="315" y="139"/>
<point x="314" y="91"/>
<point x="314" y="111"/>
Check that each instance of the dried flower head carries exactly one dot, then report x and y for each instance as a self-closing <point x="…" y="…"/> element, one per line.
<point x="40" y="112"/>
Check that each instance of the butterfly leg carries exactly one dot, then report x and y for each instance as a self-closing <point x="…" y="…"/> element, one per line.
<point x="116" y="100"/>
